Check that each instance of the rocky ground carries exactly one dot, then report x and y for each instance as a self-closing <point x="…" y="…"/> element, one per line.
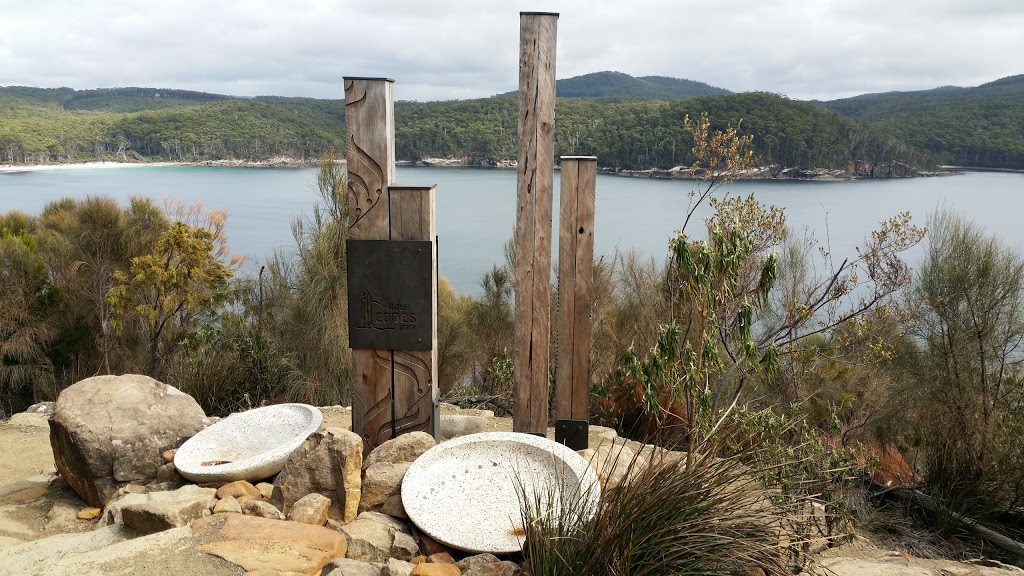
<point x="46" y="529"/>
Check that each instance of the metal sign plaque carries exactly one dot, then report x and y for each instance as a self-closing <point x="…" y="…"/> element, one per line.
<point x="390" y="285"/>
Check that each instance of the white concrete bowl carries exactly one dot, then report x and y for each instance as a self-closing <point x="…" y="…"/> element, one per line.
<point x="250" y="445"/>
<point x="465" y="492"/>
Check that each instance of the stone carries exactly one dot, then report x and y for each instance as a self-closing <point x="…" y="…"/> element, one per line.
<point x="404" y="448"/>
<point x="375" y="538"/>
<point x="161" y="511"/>
<point x="89" y="513"/>
<point x="106" y="431"/>
<point x="488" y="565"/>
<point x="431" y="546"/>
<point x="266" y="490"/>
<point x="418" y="559"/>
<point x="454" y="425"/>
<point x="270" y="545"/>
<point x="393" y="507"/>
<point x="436" y="570"/>
<point x="168" y="455"/>
<point x="442" y="558"/>
<point x="168" y="474"/>
<point x="381" y="481"/>
<point x="64" y="516"/>
<point x="30" y="420"/>
<point x="327" y="463"/>
<point x="238" y="488"/>
<point x="310" y="509"/>
<point x="261" y="509"/>
<point x="611" y="462"/>
<point x="396" y="567"/>
<point x="350" y="567"/>
<point x="227" y="505"/>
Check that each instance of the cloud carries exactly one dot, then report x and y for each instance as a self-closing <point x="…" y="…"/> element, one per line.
<point x="449" y="49"/>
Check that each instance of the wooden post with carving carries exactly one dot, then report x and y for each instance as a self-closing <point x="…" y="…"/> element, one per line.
<point x="537" y="34"/>
<point x="575" y="276"/>
<point x="393" y="390"/>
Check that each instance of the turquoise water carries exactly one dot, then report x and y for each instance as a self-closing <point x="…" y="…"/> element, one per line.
<point x="476" y="207"/>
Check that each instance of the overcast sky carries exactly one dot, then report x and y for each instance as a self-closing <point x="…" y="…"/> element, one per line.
<point x="454" y="49"/>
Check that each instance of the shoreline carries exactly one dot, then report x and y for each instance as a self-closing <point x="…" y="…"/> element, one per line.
<point x="856" y="171"/>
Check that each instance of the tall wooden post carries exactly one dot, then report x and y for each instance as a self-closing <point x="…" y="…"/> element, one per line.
<point x="575" y="276"/>
<point x="394" y="390"/>
<point x="537" y="33"/>
<point x="416" y="395"/>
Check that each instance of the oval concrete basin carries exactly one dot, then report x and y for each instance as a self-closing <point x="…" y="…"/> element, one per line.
<point x="250" y="445"/>
<point x="467" y="492"/>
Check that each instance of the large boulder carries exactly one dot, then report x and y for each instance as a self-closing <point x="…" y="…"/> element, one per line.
<point x="327" y="463"/>
<point x="107" y="431"/>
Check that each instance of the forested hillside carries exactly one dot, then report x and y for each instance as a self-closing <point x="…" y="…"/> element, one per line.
<point x="977" y="127"/>
<point x="617" y="84"/>
<point x="635" y="134"/>
<point x="981" y="127"/>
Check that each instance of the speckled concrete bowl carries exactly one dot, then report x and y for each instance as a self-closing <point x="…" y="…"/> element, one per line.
<point x="466" y="492"/>
<point x="250" y="445"/>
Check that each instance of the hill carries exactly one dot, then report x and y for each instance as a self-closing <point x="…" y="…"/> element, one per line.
<point x="637" y="134"/>
<point x="148" y="124"/>
<point x="981" y="126"/>
<point x="620" y="85"/>
<point x="63" y="125"/>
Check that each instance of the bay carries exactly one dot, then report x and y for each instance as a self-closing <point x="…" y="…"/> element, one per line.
<point x="476" y="207"/>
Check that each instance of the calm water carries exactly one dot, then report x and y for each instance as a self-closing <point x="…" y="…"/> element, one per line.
<point x="476" y="207"/>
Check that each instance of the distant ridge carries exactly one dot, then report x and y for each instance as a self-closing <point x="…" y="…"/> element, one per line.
<point x="620" y="85"/>
<point x="980" y="126"/>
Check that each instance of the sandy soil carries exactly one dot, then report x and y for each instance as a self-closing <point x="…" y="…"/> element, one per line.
<point x="24" y="452"/>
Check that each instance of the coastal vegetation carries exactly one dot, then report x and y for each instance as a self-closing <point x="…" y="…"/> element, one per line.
<point x="628" y="123"/>
<point x="747" y="338"/>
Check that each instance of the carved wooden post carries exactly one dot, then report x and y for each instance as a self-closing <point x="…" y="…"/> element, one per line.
<point x="395" y="385"/>
<point x="416" y="395"/>
<point x="575" y="276"/>
<point x="537" y="33"/>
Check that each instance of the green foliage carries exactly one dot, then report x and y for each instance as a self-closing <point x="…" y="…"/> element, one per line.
<point x="169" y="291"/>
<point x="300" y="303"/>
<point x="705" y="515"/>
<point x="26" y="328"/>
<point x="963" y="371"/>
<point x="982" y="126"/>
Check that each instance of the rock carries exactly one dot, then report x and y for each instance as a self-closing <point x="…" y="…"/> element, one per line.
<point x="431" y="546"/>
<point x="404" y="448"/>
<point x="89" y="513"/>
<point x="310" y="509"/>
<point x="109" y="430"/>
<point x="270" y="545"/>
<point x="168" y="474"/>
<point x="30" y="420"/>
<point x="168" y="455"/>
<point x="266" y="490"/>
<point x="375" y="538"/>
<point x="261" y="509"/>
<point x="161" y="511"/>
<point x="612" y="461"/>
<point x="327" y="463"/>
<point x="396" y="567"/>
<point x="238" y="488"/>
<point x="436" y="570"/>
<point x="113" y="551"/>
<point x="350" y="567"/>
<point x="227" y="505"/>
<point x="66" y="516"/>
<point x="488" y="565"/>
<point x="442" y="558"/>
<point x="40" y="408"/>
<point x="454" y="425"/>
<point x="381" y="481"/>
<point x="393" y="507"/>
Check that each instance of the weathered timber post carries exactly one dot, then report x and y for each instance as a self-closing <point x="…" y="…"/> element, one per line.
<point x="533" y="219"/>
<point x="575" y="276"/>
<point x="391" y="276"/>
